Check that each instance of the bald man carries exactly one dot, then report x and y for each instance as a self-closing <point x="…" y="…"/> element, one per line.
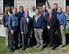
<point x="32" y="11"/>
<point x="61" y="17"/>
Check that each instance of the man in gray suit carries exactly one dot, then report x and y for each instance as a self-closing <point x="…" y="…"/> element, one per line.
<point x="26" y="28"/>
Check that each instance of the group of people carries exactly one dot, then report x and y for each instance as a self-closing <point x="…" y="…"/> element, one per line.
<point x="47" y="26"/>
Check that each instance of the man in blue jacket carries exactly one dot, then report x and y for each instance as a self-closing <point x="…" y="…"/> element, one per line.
<point x="13" y="25"/>
<point x="61" y="17"/>
<point x="38" y="24"/>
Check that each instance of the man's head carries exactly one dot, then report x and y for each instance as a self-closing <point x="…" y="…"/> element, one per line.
<point x="32" y="7"/>
<point x="21" y="8"/>
<point x="59" y="9"/>
<point x="37" y="11"/>
<point x="26" y="13"/>
<point x="55" y="6"/>
<point x="14" y="10"/>
<point x="44" y="7"/>
<point x="50" y="11"/>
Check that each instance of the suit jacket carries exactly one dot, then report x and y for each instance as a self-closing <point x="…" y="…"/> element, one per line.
<point x="26" y="27"/>
<point x="5" y="20"/>
<point x="52" y="22"/>
<point x="44" y="14"/>
<point x="20" y="14"/>
<point x="54" y="11"/>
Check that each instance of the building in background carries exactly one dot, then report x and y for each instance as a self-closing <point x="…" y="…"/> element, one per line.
<point x="27" y="5"/>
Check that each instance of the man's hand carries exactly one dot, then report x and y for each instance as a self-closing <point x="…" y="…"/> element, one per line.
<point x="22" y="33"/>
<point x="12" y="31"/>
<point x="63" y="28"/>
<point x="41" y="30"/>
<point x="48" y="27"/>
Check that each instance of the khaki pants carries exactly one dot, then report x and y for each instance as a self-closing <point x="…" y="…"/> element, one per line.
<point x="38" y="36"/>
<point x="63" y="35"/>
<point x="6" y="32"/>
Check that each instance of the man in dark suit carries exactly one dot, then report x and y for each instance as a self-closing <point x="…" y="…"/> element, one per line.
<point x="26" y="28"/>
<point x="44" y="13"/>
<point x="20" y="14"/>
<point x="55" y="8"/>
<point x="51" y="23"/>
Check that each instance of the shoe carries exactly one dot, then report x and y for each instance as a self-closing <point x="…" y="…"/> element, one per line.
<point x="63" y="45"/>
<point x="41" y="47"/>
<point x="54" y="47"/>
<point x="37" y="46"/>
<point x="11" y="50"/>
<point x="23" y="48"/>
<point x="49" y="45"/>
<point x="29" y="46"/>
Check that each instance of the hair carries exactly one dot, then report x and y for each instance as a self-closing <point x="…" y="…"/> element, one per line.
<point x="20" y="7"/>
<point x="44" y="5"/>
<point x="9" y="8"/>
<point x="14" y="8"/>
<point x="38" y="9"/>
<point x="27" y="11"/>
<point x="55" y="4"/>
<point x="60" y="8"/>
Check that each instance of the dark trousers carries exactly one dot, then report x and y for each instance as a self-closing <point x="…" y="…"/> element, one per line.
<point x="25" y="40"/>
<point x="45" y="36"/>
<point x="52" y="37"/>
<point x="19" y="39"/>
<point x="13" y="39"/>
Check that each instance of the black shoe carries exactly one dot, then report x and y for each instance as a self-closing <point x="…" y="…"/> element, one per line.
<point x="41" y="48"/>
<point x="11" y="50"/>
<point x="49" y="45"/>
<point x="37" y="46"/>
<point x="54" y="47"/>
<point x="63" y="45"/>
<point x="29" y="46"/>
<point x="23" y="48"/>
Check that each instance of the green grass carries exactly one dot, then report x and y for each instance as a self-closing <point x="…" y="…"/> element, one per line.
<point x="67" y="17"/>
<point x="33" y="50"/>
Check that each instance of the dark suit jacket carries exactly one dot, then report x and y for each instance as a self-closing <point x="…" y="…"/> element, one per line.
<point x="54" y="11"/>
<point x="26" y="27"/>
<point x="52" y="22"/>
<point x="5" y="20"/>
<point x="44" y="14"/>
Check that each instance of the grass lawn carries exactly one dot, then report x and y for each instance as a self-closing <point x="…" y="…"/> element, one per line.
<point x="67" y="17"/>
<point x="33" y="50"/>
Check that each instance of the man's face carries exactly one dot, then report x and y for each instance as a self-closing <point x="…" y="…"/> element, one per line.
<point x="14" y="11"/>
<point x="21" y="8"/>
<point x="50" y="11"/>
<point x="59" y="10"/>
<point x="37" y="12"/>
<point x="44" y="7"/>
<point x="26" y="13"/>
<point x="32" y="7"/>
<point x="55" y="6"/>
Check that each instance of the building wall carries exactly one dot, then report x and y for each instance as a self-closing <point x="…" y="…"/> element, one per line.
<point x="25" y="3"/>
<point x="61" y="3"/>
<point x="1" y="6"/>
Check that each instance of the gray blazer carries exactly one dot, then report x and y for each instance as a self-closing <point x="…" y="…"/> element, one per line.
<point x="26" y="27"/>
